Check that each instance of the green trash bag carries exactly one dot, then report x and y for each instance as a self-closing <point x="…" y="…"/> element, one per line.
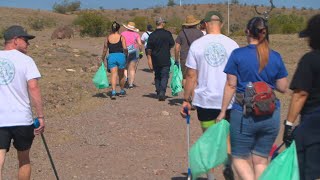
<point x="210" y="150"/>
<point x="176" y="80"/>
<point x="100" y="79"/>
<point x="284" y="166"/>
<point x="172" y="64"/>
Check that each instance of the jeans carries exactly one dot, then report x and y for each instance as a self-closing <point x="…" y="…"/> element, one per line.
<point x="307" y="138"/>
<point x="161" y="79"/>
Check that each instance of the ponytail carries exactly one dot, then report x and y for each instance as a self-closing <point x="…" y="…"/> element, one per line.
<point x="258" y="29"/>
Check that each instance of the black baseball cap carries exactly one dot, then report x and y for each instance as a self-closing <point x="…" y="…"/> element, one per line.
<point x="313" y="27"/>
<point x="149" y="27"/>
<point x="16" y="31"/>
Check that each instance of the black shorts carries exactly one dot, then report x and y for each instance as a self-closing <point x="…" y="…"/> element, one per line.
<point x="22" y="137"/>
<point x="210" y="114"/>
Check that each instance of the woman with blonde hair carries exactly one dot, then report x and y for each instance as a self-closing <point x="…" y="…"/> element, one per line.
<point x="254" y="118"/>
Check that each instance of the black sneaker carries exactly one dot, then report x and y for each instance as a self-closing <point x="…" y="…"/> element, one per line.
<point x="228" y="173"/>
<point x="162" y="97"/>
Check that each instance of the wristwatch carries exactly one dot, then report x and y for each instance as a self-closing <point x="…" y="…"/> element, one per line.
<point x="189" y="100"/>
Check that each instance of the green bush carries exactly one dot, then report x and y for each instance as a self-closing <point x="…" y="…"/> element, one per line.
<point x="176" y="23"/>
<point x="286" y="24"/>
<point x="2" y="29"/>
<point x="39" y="23"/>
<point x="141" y="22"/>
<point x="92" y="24"/>
<point x="66" y="6"/>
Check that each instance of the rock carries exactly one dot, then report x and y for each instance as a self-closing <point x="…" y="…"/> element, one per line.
<point x="165" y="113"/>
<point x="62" y="33"/>
<point x="158" y="171"/>
<point x="70" y="70"/>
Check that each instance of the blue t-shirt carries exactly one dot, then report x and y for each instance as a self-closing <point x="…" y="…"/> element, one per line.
<point x="244" y="64"/>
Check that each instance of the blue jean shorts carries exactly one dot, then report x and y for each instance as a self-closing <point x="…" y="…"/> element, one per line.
<point x="116" y="60"/>
<point x="253" y="135"/>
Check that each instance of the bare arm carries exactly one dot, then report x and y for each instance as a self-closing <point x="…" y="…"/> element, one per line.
<point x="105" y="49"/>
<point x="36" y="100"/>
<point x="139" y="43"/>
<point x="177" y="52"/>
<point x="229" y="91"/>
<point x="298" y="99"/>
<point x="191" y="80"/>
<point x="124" y="45"/>
<point x="282" y="85"/>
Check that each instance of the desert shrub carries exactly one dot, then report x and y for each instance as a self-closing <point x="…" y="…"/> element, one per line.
<point x="92" y="24"/>
<point x="132" y="13"/>
<point x="141" y="22"/>
<point x="286" y="24"/>
<point x="2" y="29"/>
<point x="39" y="23"/>
<point x="235" y="28"/>
<point x="66" y="6"/>
<point x="171" y="3"/>
<point x="175" y="23"/>
<point x="157" y="10"/>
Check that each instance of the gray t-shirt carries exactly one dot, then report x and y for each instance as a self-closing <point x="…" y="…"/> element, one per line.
<point x="192" y="35"/>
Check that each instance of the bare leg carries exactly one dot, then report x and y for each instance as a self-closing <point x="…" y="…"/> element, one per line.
<point x="259" y="165"/>
<point x="126" y="73"/>
<point x="114" y="74"/>
<point x="24" y="165"/>
<point x="122" y="79"/>
<point x="131" y="71"/>
<point x="243" y="168"/>
<point x="2" y="158"/>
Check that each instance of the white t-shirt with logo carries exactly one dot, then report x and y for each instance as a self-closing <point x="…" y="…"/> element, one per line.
<point x="209" y="55"/>
<point x="145" y="37"/>
<point x="16" y="69"/>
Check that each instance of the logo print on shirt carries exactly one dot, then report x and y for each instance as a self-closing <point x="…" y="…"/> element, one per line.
<point x="215" y="54"/>
<point x="7" y="72"/>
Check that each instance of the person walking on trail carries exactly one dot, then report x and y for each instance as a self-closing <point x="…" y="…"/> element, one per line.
<point x="135" y="53"/>
<point x="306" y="102"/>
<point x="253" y="73"/>
<point x="116" y="60"/>
<point x="203" y="27"/>
<point x="145" y="36"/>
<point x="184" y="40"/>
<point x="18" y="84"/>
<point x="206" y="60"/>
<point x="159" y="44"/>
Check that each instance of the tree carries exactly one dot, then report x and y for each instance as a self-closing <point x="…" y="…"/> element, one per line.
<point x="235" y="2"/>
<point x="171" y="3"/>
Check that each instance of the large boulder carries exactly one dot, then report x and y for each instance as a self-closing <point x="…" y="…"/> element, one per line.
<point x="62" y="33"/>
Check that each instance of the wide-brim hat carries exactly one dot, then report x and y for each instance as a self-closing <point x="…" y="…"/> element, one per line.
<point x="191" y="21"/>
<point x="131" y="26"/>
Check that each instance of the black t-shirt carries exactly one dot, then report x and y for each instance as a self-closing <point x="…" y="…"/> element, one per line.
<point x="160" y="42"/>
<point x="307" y="78"/>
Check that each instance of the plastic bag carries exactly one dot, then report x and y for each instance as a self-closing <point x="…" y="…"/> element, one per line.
<point x="100" y="79"/>
<point x="172" y="64"/>
<point x="284" y="166"/>
<point x="210" y="150"/>
<point x="176" y="80"/>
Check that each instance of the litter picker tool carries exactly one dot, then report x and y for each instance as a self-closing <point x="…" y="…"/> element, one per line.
<point x="36" y="124"/>
<point x="186" y="110"/>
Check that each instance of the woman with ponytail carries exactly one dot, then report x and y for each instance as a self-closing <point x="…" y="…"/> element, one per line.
<point x="253" y="132"/>
<point x="116" y="60"/>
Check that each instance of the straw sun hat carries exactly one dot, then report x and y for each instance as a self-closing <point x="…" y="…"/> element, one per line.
<point x="131" y="26"/>
<point x="191" y="21"/>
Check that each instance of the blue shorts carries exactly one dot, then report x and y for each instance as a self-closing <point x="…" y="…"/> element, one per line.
<point x="116" y="60"/>
<point x="253" y="135"/>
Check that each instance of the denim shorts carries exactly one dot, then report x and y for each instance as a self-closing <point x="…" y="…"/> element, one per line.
<point x="116" y="60"/>
<point x="253" y="135"/>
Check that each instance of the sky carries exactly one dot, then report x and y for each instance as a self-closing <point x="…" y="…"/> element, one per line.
<point x="142" y="4"/>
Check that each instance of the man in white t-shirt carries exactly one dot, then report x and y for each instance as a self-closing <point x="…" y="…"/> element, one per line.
<point x="206" y="61"/>
<point x="18" y="84"/>
<point x="145" y="36"/>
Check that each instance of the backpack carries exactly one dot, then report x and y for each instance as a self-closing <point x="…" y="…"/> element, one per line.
<point x="261" y="102"/>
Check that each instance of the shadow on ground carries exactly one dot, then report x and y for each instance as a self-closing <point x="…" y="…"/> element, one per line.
<point x="101" y="95"/>
<point x="146" y="70"/>
<point x="154" y="96"/>
<point x="175" y="102"/>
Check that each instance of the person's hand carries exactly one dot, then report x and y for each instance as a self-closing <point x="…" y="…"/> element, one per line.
<point x="177" y="63"/>
<point x="108" y="70"/>
<point x="140" y="55"/>
<point x="40" y="129"/>
<point x="221" y="116"/>
<point x="287" y="134"/>
<point x="187" y="105"/>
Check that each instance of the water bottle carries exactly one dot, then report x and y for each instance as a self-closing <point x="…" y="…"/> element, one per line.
<point x="248" y="95"/>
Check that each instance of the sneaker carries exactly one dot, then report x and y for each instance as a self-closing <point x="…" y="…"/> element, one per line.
<point x="113" y="94"/>
<point x="162" y="97"/>
<point x="122" y="93"/>
<point x="228" y="173"/>
<point x="130" y="86"/>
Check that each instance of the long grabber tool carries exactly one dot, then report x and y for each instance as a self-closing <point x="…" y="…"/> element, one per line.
<point x="186" y="110"/>
<point x="36" y="124"/>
